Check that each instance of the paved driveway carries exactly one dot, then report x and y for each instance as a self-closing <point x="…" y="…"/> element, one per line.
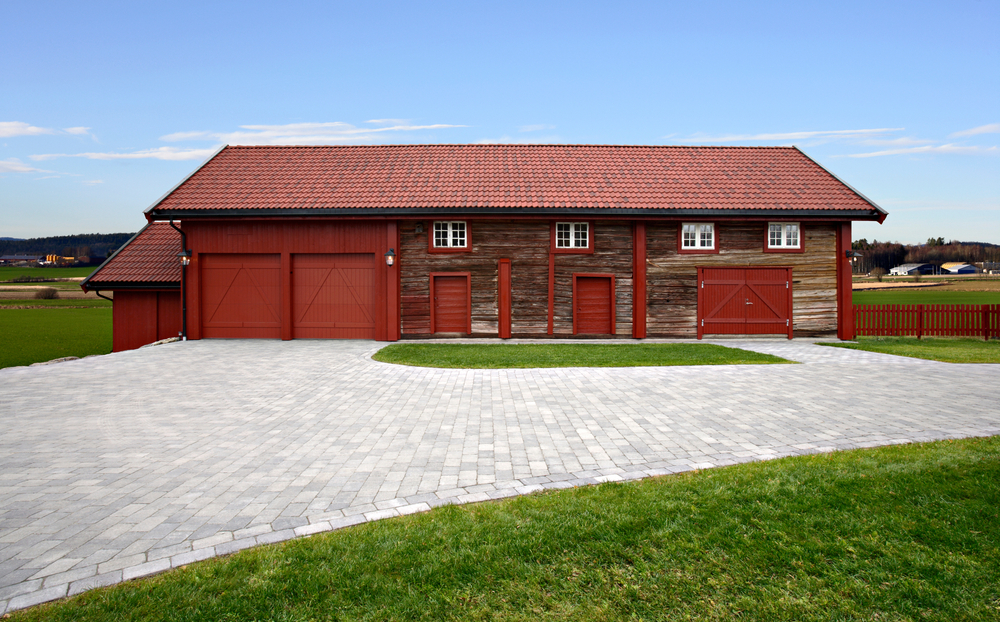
<point x="125" y="465"/>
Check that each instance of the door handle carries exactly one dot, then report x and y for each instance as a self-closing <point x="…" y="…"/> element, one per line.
<point x="749" y="303"/>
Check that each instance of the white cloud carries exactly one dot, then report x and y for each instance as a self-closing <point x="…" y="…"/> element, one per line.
<point x="160" y="153"/>
<point x="900" y="142"/>
<point x="992" y="128"/>
<point x="736" y="138"/>
<point x="926" y="149"/>
<point x="13" y="165"/>
<point x="17" y="128"/>
<point x="389" y="121"/>
<point x="535" y="128"/>
<point x="302" y="133"/>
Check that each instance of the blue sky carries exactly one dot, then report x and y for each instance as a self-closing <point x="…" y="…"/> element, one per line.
<point x="105" y="106"/>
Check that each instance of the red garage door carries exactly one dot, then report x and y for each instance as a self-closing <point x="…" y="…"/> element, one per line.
<point x="593" y="305"/>
<point x="451" y="304"/>
<point x="744" y="301"/>
<point x="240" y="296"/>
<point x="333" y="296"/>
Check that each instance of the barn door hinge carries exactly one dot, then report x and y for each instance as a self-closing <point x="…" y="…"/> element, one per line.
<point x="786" y="284"/>
<point x="786" y="323"/>
<point x="703" y="284"/>
<point x="703" y="322"/>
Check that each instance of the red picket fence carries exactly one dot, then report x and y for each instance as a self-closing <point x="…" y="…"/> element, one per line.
<point x="928" y="320"/>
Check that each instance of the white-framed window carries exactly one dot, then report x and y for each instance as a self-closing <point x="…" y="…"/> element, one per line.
<point x="572" y="235"/>
<point x="698" y="236"/>
<point x="450" y="234"/>
<point x="783" y="235"/>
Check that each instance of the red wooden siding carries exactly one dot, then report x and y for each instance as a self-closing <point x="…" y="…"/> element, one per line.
<point x="168" y="314"/>
<point x="593" y="305"/>
<point x="928" y="320"/>
<point x="451" y="304"/>
<point x="241" y="296"/>
<point x="142" y="317"/>
<point x="276" y="309"/>
<point x="333" y="296"/>
<point x="744" y="301"/>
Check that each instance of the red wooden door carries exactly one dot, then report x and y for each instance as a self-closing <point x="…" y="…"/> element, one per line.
<point x="592" y="305"/>
<point x="744" y="301"/>
<point x="333" y="296"/>
<point x="451" y="304"/>
<point x="503" y="298"/>
<point x="241" y="296"/>
<point x="769" y="301"/>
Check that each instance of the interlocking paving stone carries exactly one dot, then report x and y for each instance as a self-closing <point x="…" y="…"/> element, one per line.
<point x="189" y="450"/>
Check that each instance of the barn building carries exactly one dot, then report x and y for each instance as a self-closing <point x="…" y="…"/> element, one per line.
<point x="418" y="241"/>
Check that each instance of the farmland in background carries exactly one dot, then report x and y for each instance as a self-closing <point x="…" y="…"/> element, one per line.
<point x="926" y="296"/>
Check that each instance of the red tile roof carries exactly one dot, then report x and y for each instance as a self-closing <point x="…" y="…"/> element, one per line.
<point x="149" y="257"/>
<point x="496" y="178"/>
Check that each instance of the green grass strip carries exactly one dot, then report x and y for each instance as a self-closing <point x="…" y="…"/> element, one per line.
<point x="35" y="335"/>
<point x="504" y="356"/>
<point x="59" y="302"/>
<point x="944" y="349"/>
<point x="896" y="533"/>
<point x="10" y="272"/>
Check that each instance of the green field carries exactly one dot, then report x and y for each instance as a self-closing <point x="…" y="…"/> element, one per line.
<point x="505" y="356"/>
<point x="925" y="296"/>
<point x="900" y="533"/>
<point x="7" y="273"/>
<point x="35" y="335"/>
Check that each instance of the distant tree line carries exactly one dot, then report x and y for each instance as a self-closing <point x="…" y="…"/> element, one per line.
<point x="888" y="255"/>
<point x="83" y="245"/>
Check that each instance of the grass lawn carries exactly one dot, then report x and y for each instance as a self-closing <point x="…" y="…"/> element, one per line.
<point x="10" y="272"/>
<point x="502" y="356"/>
<point x="946" y="349"/>
<point x="897" y="533"/>
<point x="35" y="335"/>
<point x="922" y="296"/>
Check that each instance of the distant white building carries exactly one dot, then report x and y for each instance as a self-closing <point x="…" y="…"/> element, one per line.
<point x="958" y="267"/>
<point x="912" y="268"/>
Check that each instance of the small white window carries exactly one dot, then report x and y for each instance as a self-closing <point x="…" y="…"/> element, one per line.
<point x="572" y="235"/>
<point x="783" y="235"/>
<point x="698" y="236"/>
<point x="450" y="234"/>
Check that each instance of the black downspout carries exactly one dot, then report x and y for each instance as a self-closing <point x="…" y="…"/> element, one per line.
<point x="184" y="304"/>
<point x="104" y="297"/>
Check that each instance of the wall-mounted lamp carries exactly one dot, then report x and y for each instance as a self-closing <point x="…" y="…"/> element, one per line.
<point x="185" y="257"/>
<point x="853" y="256"/>
<point x="390" y="257"/>
<point x="419" y="228"/>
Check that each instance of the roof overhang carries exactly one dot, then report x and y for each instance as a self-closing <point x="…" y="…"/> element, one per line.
<point x="130" y="285"/>
<point x="671" y="213"/>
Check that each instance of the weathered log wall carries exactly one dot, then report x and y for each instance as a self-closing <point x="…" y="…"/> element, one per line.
<point x="612" y="255"/>
<point x="526" y="244"/>
<point x="672" y="298"/>
<point x="672" y="294"/>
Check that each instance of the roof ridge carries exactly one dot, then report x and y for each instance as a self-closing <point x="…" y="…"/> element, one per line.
<point x="479" y="145"/>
